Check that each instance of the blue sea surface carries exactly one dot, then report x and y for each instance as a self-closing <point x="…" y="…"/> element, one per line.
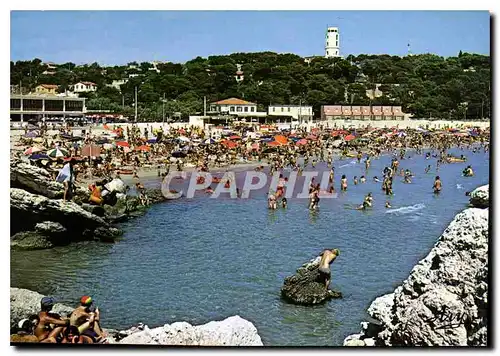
<point x="203" y="259"/>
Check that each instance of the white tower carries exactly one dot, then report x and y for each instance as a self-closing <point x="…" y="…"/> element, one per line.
<point x="332" y="48"/>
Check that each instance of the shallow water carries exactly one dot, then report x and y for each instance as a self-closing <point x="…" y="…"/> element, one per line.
<point x="206" y="259"/>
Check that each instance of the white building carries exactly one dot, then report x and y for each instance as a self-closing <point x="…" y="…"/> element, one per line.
<point x="332" y="45"/>
<point x="83" y="87"/>
<point x="233" y="106"/>
<point x="296" y="112"/>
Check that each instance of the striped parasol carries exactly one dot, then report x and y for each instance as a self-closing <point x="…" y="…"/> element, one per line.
<point x="58" y="153"/>
<point x="32" y="150"/>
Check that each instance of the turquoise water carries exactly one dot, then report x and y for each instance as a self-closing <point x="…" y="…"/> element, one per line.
<point x="206" y="259"/>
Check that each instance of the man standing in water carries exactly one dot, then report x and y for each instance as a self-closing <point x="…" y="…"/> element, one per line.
<point x="437" y="185"/>
<point x="327" y="257"/>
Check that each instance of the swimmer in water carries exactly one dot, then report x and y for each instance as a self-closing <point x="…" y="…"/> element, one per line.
<point x="367" y="162"/>
<point x="388" y="205"/>
<point x="362" y="179"/>
<point x="284" y="203"/>
<point x="437" y="185"/>
<point x="428" y="168"/>
<point x="271" y="201"/>
<point x="376" y="180"/>
<point x="355" y="180"/>
<point x="468" y="172"/>
<point x="343" y="183"/>
<point x="327" y="257"/>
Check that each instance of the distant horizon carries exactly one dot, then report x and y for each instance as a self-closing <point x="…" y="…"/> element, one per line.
<point x="119" y="37"/>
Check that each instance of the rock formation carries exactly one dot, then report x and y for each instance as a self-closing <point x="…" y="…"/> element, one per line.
<point x="59" y="220"/>
<point x="233" y="331"/>
<point x="305" y="287"/>
<point x="480" y="197"/>
<point x="444" y="301"/>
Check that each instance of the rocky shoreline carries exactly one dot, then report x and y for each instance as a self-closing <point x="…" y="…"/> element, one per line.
<point x="232" y="331"/>
<point x="444" y="301"/>
<point x="40" y="219"/>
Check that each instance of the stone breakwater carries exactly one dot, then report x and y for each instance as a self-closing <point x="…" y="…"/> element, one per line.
<point x="232" y="331"/>
<point x="444" y="300"/>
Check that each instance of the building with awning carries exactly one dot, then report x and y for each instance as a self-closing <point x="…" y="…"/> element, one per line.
<point x="354" y="112"/>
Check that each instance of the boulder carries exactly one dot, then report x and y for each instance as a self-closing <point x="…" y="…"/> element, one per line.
<point x="480" y="197"/>
<point x="24" y="303"/>
<point x="444" y="300"/>
<point x="30" y="240"/>
<point x="233" y="331"/>
<point x="305" y="287"/>
<point x="27" y="210"/>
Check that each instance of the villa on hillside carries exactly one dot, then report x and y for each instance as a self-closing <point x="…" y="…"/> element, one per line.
<point x="50" y="89"/>
<point x="83" y="87"/>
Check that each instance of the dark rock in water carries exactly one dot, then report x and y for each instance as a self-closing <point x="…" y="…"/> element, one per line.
<point x="30" y="240"/>
<point x="50" y="228"/>
<point x="480" y="197"/>
<point x="107" y="234"/>
<point x="306" y="286"/>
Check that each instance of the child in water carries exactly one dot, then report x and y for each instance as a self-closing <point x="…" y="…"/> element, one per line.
<point x="284" y="203"/>
<point x="355" y="180"/>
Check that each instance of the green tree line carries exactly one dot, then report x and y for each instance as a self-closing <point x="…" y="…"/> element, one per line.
<point x="424" y="85"/>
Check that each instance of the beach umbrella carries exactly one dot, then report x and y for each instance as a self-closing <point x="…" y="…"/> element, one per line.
<point x="152" y="140"/>
<point x="32" y="150"/>
<point x="230" y="144"/>
<point x="58" y="153"/>
<point x="311" y="137"/>
<point x="178" y="154"/>
<point x="301" y="142"/>
<point x="274" y="144"/>
<point x="209" y="141"/>
<point x="234" y="137"/>
<point x="281" y="139"/>
<point x="31" y="134"/>
<point x="122" y="144"/>
<point x="183" y="139"/>
<point x="143" y="148"/>
<point x="349" y="137"/>
<point x="107" y="146"/>
<point x="38" y="156"/>
<point x="91" y="151"/>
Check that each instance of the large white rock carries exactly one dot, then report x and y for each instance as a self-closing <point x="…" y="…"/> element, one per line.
<point x="444" y="300"/>
<point x="233" y="331"/>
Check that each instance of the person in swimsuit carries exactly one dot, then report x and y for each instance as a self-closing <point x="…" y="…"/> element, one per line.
<point x="362" y="179"/>
<point x="437" y="185"/>
<point x="388" y="205"/>
<point x="49" y="325"/>
<point x="86" y="318"/>
<point x="367" y="162"/>
<point x="343" y="183"/>
<point x="355" y="180"/>
<point x="327" y="257"/>
<point x="284" y="202"/>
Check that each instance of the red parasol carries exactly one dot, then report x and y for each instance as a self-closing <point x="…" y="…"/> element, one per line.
<point x="143" y="148"/>
<point x="235" y="137"/>
<point x="122" y="143"/>
<point x="301" y="142"/>
<point x="349" y="137"/>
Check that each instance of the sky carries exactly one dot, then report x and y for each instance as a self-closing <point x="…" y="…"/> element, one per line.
<point x="119" y="37"/>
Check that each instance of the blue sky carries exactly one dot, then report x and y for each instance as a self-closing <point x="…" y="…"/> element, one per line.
<point x="118" y="37"/>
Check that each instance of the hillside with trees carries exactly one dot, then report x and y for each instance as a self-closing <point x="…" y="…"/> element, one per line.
<point x="424" y="85"/>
